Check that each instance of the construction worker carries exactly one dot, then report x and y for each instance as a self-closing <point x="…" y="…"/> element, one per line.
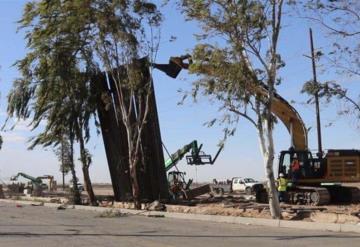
<point x="295" y="169"/>
<point x="282" y="187"/>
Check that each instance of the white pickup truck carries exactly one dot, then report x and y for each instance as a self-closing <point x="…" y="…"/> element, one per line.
<point x="247" y="185"/>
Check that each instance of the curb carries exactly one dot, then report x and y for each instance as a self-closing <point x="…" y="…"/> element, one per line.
<point x="334" y="227"/>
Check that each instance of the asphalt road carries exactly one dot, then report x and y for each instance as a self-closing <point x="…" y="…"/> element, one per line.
<point x="41" y="226"/>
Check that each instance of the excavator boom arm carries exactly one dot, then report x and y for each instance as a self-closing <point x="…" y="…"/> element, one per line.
<point x="280" y="107"/>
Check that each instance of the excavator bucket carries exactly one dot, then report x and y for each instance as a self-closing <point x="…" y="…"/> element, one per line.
<point x="172" y="69"/>
<point x="174" y="66"/>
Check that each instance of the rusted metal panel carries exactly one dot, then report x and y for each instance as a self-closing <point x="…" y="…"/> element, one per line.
<point x="151" y="174"/>
<point x="198" y="191"/>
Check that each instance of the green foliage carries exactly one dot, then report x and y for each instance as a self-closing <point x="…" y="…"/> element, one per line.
<point x="236" y="53"/>
<point x="63" y="154"/>
<point x="330" y="91"/>
<point x="69" y="42"/>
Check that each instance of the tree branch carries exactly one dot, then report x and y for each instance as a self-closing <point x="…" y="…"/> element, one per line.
<point x="232" y="109"/>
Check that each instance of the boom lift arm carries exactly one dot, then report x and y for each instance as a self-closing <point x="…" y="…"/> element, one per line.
<point x="36" y="181"/>
<point x="179" y="154"/>
<point x="194" y="159"/>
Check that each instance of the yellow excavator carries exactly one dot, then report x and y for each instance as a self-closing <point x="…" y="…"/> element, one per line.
<point x="322" y="178"/>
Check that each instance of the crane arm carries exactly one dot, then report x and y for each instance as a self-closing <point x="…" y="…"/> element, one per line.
<point x="280" y="107"/>
<point x="24" y="175"/>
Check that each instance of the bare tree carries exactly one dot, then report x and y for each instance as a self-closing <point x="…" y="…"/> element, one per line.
<point x="340" y="22"/>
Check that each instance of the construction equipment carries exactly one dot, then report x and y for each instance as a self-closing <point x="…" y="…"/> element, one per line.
<point x="320" y="178"/>
<point x="197" y="157"/>
<point x="52" y="183"/>
<point x="37" y="186"/>
<point x="176" y="179"/>
<point x="178" y="184"/>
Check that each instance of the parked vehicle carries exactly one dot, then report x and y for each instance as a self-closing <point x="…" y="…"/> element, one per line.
<point x="248" y="185"/>
<point x="79" y="185"/>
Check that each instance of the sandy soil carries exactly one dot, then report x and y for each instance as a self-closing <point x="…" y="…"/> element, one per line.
<point x="239" y="205"/>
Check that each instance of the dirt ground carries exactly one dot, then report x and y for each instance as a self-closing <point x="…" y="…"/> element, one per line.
<point x="242" y="205"/>
<point x="239" y="205"/>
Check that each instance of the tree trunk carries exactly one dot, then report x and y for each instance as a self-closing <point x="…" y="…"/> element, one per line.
<point x="63" y="166"/>
<point x="273" y="194"/>
<point x="269" y="160"/>
<point x="134" y="182"/>
<point x="75" y="190"/>
<point x="85" y="169"/>
<point x="275" y="209"/>
<point x="267" y="150"/>
<point x="268" y="156"/>
<point x="88" y="186"/>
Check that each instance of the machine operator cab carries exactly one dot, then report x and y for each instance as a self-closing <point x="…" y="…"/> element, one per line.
<point x="310" y="167"/>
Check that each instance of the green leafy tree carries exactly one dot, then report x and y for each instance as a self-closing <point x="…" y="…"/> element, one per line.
<point x="237" y="53"/>
<point x="63" y="153"/>
<point x="71" y="41"/>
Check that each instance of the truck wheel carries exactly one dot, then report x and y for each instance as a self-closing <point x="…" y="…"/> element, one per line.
<point x="248" y="191"/>
<point x="262" y="196"/>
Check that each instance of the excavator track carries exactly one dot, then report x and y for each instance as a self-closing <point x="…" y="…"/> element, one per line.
<point x="344" y="194"/>
<point x="309" y="195"/>
<point x="355" y="194"/>
<point x="324" y="195"/>
<point x="320" y="196"/>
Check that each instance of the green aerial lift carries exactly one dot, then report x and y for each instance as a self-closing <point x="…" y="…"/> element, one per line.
<point x="176" y="179"/>
<point x="37" y="183"/>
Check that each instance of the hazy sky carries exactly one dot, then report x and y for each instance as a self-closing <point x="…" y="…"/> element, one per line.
<point x="182" y="124"/>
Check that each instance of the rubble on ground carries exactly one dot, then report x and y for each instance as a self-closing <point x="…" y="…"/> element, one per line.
<point x="228" y="205"/>
<point x="156" y="206"/>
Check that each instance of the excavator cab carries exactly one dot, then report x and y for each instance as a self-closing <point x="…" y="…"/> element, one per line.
<point x="310" y="167"/>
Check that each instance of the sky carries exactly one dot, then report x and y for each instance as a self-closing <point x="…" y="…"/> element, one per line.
<point x="180" y="124"/>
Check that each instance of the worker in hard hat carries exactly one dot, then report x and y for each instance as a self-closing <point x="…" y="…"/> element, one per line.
<point x="282" y="187"/>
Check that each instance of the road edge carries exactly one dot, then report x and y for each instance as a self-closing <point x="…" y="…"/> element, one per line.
<point x="334" y="227"/>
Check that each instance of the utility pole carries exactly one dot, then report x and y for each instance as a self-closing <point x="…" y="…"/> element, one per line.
<point x="320" y="152"/>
